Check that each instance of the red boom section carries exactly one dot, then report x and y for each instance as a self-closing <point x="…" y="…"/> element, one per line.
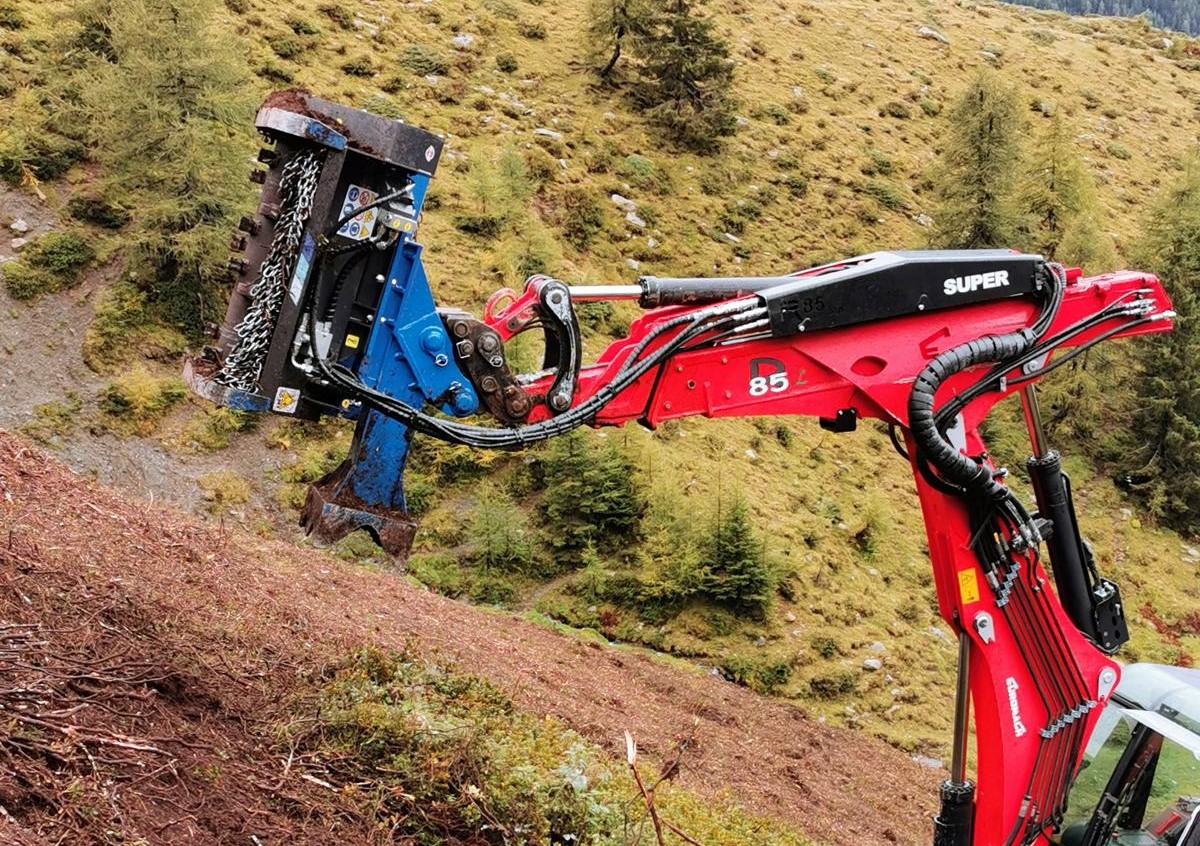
<point x="1030" y="669"/>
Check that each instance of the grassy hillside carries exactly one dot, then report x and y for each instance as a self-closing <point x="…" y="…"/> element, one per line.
<point x="841" y="118"/>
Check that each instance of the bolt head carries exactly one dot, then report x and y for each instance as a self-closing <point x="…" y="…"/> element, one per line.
<point x="558" y="402"/>
<point x="440" y="360"/>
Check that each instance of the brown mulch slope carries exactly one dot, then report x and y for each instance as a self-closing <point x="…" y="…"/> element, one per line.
<point x="94" y="591"/>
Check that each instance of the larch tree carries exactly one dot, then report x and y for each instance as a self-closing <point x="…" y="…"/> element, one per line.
<point x="165" y="97"/>
<point x="1059" y="199"/>
<point x="977" y="172"/>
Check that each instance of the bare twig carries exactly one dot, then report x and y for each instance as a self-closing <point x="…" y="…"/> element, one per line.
<point x="648" y="794"/>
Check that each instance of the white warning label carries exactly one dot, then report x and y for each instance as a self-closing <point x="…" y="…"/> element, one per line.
<point x="286" y="400"/>
<point x="362" y="225"/>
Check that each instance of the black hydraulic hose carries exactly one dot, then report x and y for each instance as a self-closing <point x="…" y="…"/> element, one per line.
<point x="957" y="469"/>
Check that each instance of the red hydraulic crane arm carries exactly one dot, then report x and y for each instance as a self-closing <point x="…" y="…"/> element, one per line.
<point x="1036" y="683"/>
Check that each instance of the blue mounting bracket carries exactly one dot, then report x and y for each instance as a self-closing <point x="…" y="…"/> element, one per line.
<point x="410" y="357"/>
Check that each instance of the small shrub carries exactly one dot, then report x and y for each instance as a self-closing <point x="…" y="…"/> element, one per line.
<point x="438" y="571"/>
<point x="286" y="46"/>
<point x="643" y="173"/>
<point x="774" y="113"/>
<point x="885" y="194"/>
<point x="337" y="13"/>
<point x="932" y="108"/>
<point x="360" y="66"/>
<point x="49" y="265"/>
<point x="826" y="647"/>
<point x="11" y="17"/>
<point x="762" y="676"/>
<point x="53" y="421"/>
<point x="238" y="7"/>
<point x="275" y="72"/>
<point x="135" y="401"/>
<point x="223" y="489"/>
<point x="796" y="184"/>
<point x="833" y="685"/>
<point x="214" y="429"/>
<point x="896" y="109"/>
<point x="302" y="26"/>
<point x="1119" y="151"/>
<point x="97" y="211"/>
<point x="60" y="252"/>
<point x="423" y="61"/>
<point x="879" y="164"/>
<point x="25" y="282"/>
<point x="534" y="30"/>
<point x="583" y="216"/>
<point x="506" y="63"/>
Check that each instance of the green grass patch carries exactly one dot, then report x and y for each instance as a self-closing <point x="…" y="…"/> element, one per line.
<point x="51" y="264"/>
<point x="53" y="421"/>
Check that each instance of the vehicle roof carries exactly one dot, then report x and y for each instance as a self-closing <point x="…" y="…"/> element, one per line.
<point x="1173" y="690"/>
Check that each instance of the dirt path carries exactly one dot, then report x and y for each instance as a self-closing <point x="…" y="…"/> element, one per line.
<point x="41" y="362"/>
<point x="838" y="787"/>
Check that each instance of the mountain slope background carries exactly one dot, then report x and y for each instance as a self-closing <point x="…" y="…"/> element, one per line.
<point x="841" y="118"/>
<point x="1179" y="15"/>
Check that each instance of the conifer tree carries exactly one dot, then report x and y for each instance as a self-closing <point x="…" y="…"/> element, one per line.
<point x="687" y="77"/>
<point x="612" y="24"/>
<point x="977" y="173"/>
<point x="593" y="495"/>
<point x="738" y="573"/>
<point x="165" y="98"/>
<point x="1165" y="462"/>
<point x="1059" y="199"/>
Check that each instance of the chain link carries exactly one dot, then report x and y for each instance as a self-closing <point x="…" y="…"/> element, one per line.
<point x="297" y="188"/>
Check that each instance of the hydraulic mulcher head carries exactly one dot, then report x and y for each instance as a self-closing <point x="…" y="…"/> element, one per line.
<point x="329" y="276"/>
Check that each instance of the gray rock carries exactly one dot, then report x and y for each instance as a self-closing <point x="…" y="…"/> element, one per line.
<point x="1164" y="43"/>
<point x="923" y="220"/>
<point x="432" y="78"/>
<point x="877" y="647"/>
<point x="789" y="617"/>
<point x="18" y="244"/>
<point x="624" y="203"/>
<point x="930" y="32"/>
<point x="872" y="664"/>
<point x="634" y="264"/>
<point x="562" y="163"/>
<point x="731" y="238"/>
<point x="19" y="226"/>
<point x="651" y="243"/>
<point x="547" y="133"/>
<point x="633" y="220"/>
<point x="463" y="41"/>
<point x="761" y="641"/>
<point x="929" y="763"/>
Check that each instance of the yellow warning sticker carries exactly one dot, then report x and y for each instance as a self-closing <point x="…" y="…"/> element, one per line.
<point x="968" y="586"/>
<point x="352" y="342"/>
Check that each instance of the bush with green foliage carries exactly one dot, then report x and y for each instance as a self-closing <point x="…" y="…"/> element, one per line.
<point x="50" y="264"/>
<point x="593" y="496"/>
<point x="423" y="60"/>
<point x="134" y="402"/>
<point x="583" y="216"/>
<point x="89" y="208"/>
